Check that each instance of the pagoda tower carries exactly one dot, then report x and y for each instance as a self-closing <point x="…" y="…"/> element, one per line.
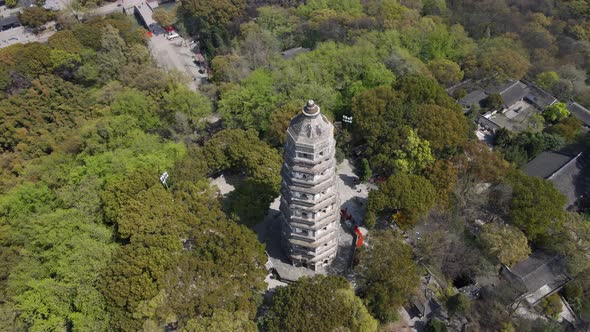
<point x="310" y="207"/>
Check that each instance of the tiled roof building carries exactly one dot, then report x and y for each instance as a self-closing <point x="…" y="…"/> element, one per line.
<point x="569" y="174"/>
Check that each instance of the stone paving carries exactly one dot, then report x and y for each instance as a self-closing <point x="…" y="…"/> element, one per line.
<point x="176" y="55"/>
<point x="352" y="197"/>
<point x="223" y="184"/>
<point x="23" y="35"/>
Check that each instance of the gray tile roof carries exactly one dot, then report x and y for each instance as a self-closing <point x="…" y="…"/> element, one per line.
<point x="540" y="269"/>
<point x="500" y="88"/>
<point x="487" y="123"/>
<point x="546" y="163"/>
<point x="572" y="179"/>
<point x="568" y="173"/>
<point x="540" y="98"/>
<point x="10" y="21"/>
<point x="473" y="98"/>
<point x="579" y="112"/>
<point x="515" y="92"/>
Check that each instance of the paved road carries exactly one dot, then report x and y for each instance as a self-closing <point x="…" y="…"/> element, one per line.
<point x="22" y="35"/>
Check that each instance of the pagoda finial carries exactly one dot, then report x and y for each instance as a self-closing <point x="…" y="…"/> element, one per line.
<point x="311" y="109"/>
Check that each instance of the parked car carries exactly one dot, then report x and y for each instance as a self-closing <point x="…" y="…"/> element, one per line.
<point x="172" y="36"/>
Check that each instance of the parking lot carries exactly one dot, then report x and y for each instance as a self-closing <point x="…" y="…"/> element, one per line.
<point x="176" y="54"/>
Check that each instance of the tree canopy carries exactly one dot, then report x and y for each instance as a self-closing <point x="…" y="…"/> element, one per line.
<point x="506" y="243"/>
<point x="536" y="206"/>
<point x="405" y="196"/>
<point x="388" y="275"/>
<point x="318" y="304"/>
<point x="90" y="240"/>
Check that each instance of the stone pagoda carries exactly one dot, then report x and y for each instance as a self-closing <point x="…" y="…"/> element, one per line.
<point x="310" y="207"/>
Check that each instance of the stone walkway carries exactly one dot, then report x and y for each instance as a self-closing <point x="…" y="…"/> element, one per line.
<point x="222" y="184"/>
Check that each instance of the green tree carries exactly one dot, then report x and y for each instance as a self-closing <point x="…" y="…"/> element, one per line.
<point x="536" y="206"/>
<point x="221" y="321"/>
<point x="508" y="244"/>
<point x="258" y="46"/>
<point x="569" y="128"/>
<point x="280" y="119"/>
<point x="30" y="60"/>
<point x="278" y="21"/>
<point x="387" y="274"/>
<point x="249" y="104"/>
<point x="321" y="303"/>
<point x="236" y="149"/>
<point x="65" y="40"/>
<point x="573" y="241"/>
<point x="250" y="201"/>
<point x="137" y="104"/>
<point x="53" y="285"/>
<point x="165" y="17"/>
<point x="5" y="79"/>
<point x="88" y="35"/>
<point x="64" y="61"/>
<point x="229" y="68"/>
<point x="494" y="102"/>
<point x="447" y="130"/>
<point x="556" y="112"/>
<point x="419" y="89"/>
<point x="546" y="80"/>
<point x="111" y="57"/>
<point x="503" y="63"/>
<point x="435" y="325"/>
<point x="216" y="13"/>
<point x="414" y="155"/>
<point x="443" y="175"/>
<point x="445" y="71"/>
<point x="507" y="327"/>
<point x="194" y="105"/>
<point x="434" y="7"/>
<point x="35" y="17"/>
<point x="151" y="276"/>
<point x="138" y="54"/>
<point x="365" y="172"/>
<point x="143" y="77"/>
<point x="376" y="113"/>
<point x="411" y="195"/>
<point x="552" y="306"/>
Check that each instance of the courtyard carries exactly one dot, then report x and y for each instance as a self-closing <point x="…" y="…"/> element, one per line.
<point x="517" y="118"/>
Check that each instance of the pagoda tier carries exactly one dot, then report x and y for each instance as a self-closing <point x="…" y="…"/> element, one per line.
<point x="309" y="202"/>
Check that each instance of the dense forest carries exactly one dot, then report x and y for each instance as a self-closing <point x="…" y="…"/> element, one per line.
<point x="91" y="240"/>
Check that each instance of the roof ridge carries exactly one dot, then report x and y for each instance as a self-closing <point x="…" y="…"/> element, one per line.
<point x="565" y="165"/>
<point x="513" y="84"/>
